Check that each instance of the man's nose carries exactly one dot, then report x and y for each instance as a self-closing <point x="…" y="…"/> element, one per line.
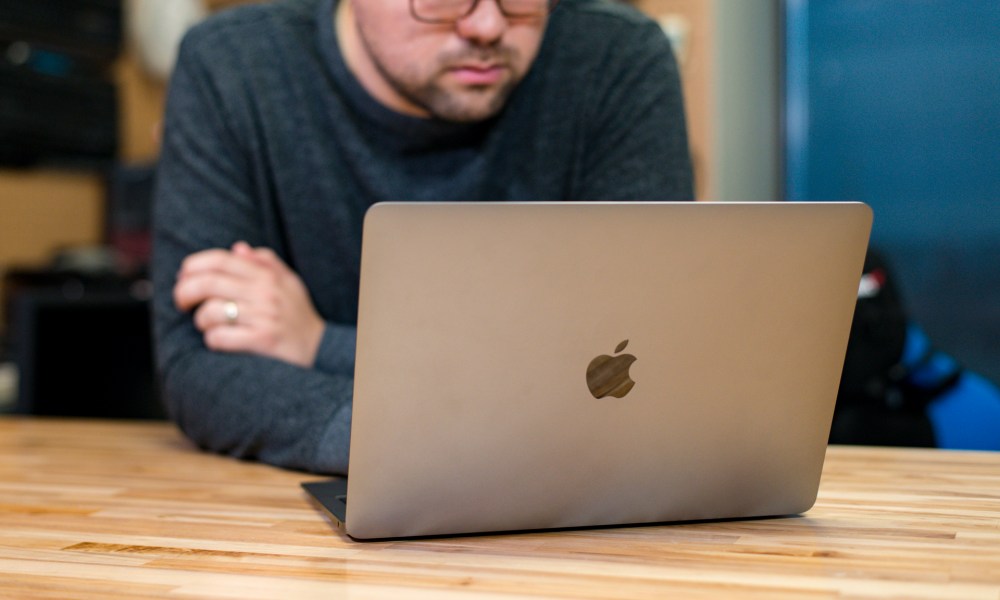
<point x="485" y="25"/>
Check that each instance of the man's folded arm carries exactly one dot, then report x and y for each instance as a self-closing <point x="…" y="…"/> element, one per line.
<point x="209" y="195"/>
<point x="249" y="406"/>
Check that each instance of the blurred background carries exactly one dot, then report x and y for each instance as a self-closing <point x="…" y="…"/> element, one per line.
<point x="890" y="103"/>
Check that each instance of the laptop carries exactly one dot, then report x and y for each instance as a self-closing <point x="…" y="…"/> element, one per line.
<point x="528" y="366"/>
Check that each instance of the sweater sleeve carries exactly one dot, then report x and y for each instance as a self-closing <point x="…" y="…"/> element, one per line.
<point x="209" y="195"/>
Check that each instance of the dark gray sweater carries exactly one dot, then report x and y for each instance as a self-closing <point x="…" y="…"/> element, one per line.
<point x="269" y="139"/>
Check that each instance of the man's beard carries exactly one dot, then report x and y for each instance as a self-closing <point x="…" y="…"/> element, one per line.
<point x="470" y="104"/>
<point x="475" y="103"/>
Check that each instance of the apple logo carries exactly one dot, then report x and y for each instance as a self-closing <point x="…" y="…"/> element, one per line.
<point x="608" y="375"/>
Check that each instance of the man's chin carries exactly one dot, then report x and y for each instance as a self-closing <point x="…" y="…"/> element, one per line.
<point x="470" y="105"/>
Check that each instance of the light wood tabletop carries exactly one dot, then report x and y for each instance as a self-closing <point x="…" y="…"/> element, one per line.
<point x="97" y="509"/>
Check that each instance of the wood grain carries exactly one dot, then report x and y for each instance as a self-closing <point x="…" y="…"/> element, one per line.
<point x="92" y="509"/>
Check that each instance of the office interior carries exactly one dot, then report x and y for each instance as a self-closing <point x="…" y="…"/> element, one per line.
<point x="804" y="100"/>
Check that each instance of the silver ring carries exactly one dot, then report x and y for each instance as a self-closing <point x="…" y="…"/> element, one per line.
<point x="232" y="311"/>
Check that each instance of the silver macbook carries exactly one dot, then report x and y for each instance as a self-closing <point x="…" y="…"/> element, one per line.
<point x="556" y="365"/>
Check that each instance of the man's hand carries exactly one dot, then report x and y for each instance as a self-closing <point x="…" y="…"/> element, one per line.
<point x="248" y="300"/>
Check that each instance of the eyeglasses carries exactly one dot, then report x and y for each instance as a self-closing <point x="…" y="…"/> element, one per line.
<point x="450" y="11"/>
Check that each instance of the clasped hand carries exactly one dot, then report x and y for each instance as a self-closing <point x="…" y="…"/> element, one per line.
<point x="248" y="300"/>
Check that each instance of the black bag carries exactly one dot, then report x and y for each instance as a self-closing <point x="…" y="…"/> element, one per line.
<point x="877" y="404"/>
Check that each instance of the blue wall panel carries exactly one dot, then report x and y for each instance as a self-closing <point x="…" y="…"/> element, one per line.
<point x="897" y="103"/>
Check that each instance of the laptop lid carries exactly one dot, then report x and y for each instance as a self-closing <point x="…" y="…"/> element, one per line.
<point x="547" y="365"/>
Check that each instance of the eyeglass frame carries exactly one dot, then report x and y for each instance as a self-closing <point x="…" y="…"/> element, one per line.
<point x="472" y="8"/>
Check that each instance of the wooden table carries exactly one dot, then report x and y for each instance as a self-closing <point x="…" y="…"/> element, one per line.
<point x="92" y="509"/>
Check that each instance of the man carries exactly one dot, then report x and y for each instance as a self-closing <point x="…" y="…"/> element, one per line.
<point x="286" y="121"/>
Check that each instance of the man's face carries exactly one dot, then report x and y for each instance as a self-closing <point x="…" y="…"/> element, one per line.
<point x="462" y="71"/>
